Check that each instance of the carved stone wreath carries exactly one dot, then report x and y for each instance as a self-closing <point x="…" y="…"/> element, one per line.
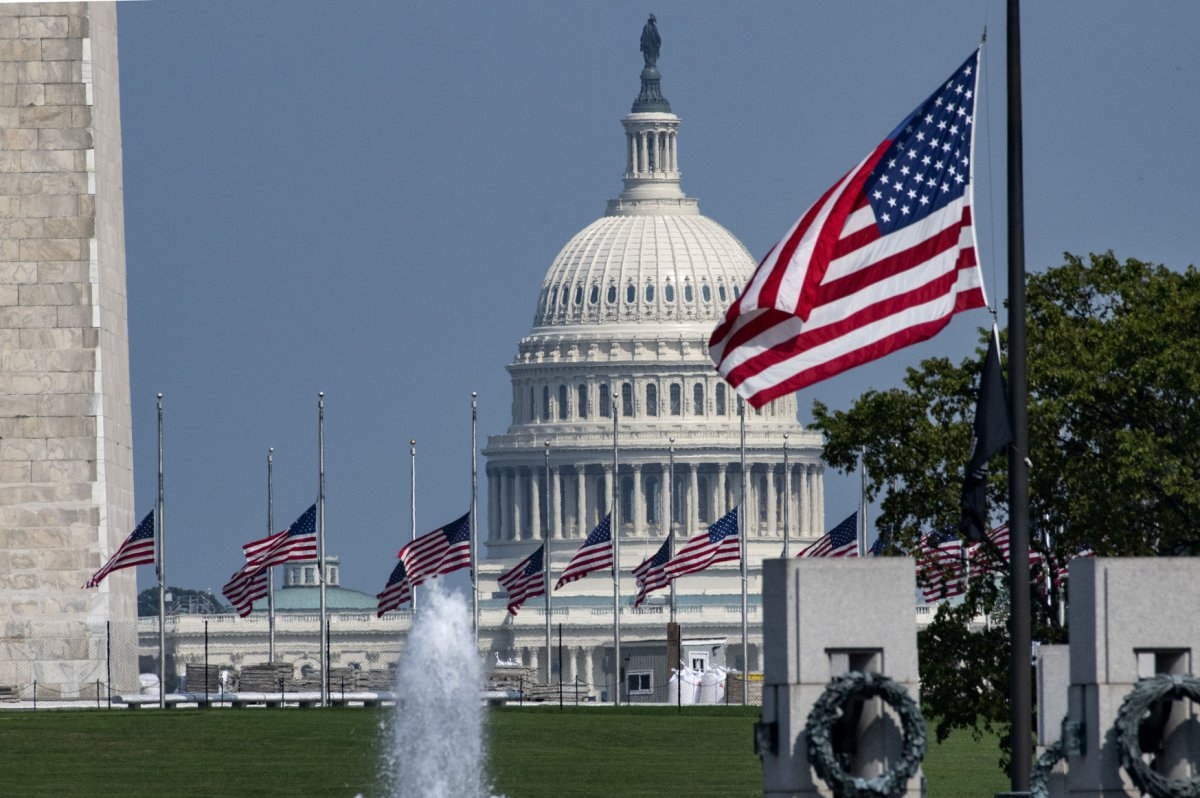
<point x="831" y="705"/>
<point x="1134" y="709"/>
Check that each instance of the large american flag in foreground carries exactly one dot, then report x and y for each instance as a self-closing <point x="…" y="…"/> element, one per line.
<point x="296" y="543"/>
<point x="526" y="580"/>
<point x="595" y="554"/>
<point x="841" y="541"/>
<point x="718" y="543"/>
<point x="651" y="575"/>
<point x="136" y="549"/>
<point x="396" y="592"/>
<point x="441" y="551"/>
<point x="881" y="261"/>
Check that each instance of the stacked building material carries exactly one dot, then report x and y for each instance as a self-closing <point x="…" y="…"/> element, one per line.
<point x="265" y="678"/>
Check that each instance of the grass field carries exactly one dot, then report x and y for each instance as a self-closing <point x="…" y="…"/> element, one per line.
<point x="593" y="751"/>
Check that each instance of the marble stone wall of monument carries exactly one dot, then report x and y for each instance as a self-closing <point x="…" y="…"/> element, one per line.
<point x="66" y="468"/>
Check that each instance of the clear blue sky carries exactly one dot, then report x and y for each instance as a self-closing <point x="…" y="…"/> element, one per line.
<point x="362" y="198"/>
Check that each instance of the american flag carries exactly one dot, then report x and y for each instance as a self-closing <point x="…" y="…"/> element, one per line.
<point x="984" y="556"/>
<point x="527" y="580"/>
<point x="137" y="549"/>
<point x="397" y="591"/>
<point x="881" y="261"/>
<point x="718" y="543"/>
<point x="296" y="543"/>
<point x="441" y="551"/>
<point x="595" y="554"/>
<point x="651" y="575"/>
<point x="940" y="568"/>
<point x="841" y="541"/>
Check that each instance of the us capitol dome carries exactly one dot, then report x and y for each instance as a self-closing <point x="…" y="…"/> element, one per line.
<point x="621" y="325"/>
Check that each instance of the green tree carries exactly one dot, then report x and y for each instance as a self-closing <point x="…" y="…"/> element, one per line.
<point x="1114" y="429"/>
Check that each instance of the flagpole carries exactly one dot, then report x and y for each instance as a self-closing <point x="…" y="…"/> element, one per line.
<point x="474" y="522"/>
<point x="862" y="502"/>
<point x="412" y="508"/>
<point x="670" y="518"/>
<point x="270" y="575"/>
<point x="616" y="536"/>
<point x="161" y="568"/>
<point x="321" y="547"/>
<point x="742" y="535"/>
<point x="1018" y="476"/>
<point x="546" y="555"/>
<point x="787" y="497"/>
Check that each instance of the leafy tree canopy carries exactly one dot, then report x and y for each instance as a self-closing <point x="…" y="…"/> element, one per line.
<point x="1113" y="353"/>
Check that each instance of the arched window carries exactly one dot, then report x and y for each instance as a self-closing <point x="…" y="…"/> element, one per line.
<point x="676" y="399"/>
<point x="720" y="398"/>
<point x="566" y="293"/>
<point x="546" y="403"/>
<point x="706" y="292"/>
<point x="581" y="404"/>
<point x="698" y="399"/>
<point x="651" y="399"/>
<point x="669" y="292"/>
<point x="612" y="295"/>
<point x="579" y="295"/>
<point x="562" y="403"/>
<point x="649" y="292"/>
<point x="594" y="297"/>
<point x="626" y="399"/>
<point x="721" y="292"/>
<point x="630" y="294"/>
<point x="604" y="401"/>
<point x="737" y="292"/>
<point x="688" y="293"/>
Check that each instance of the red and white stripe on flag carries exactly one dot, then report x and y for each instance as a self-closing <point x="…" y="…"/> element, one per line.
<point x="880" y="262"/>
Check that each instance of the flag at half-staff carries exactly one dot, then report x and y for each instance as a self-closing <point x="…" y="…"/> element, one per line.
<point x="136" y="549"/>
<point x="297" y="543"/>
<point x="718" y="543"/>
<point x="651" y="575"/>
<point x="940" y="569"/>
<point x="841" y="541"/>
<point x="595" y="554"/>
<point x="880" y="262"/>
<point x="442" y="551"/>
<point x="526" y="580"/>
<point x="397" y="591"/>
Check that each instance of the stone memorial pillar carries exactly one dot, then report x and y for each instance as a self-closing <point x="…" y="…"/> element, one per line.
<point x="66" y="463"/>
<point x="1130" y="618"/>
<point x="822" y="618"/>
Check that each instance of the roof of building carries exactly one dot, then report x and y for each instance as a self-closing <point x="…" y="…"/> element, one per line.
<point x="308" y="599"/>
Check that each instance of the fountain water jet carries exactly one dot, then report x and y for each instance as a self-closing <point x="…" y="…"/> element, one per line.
<point x="437" y="747"/>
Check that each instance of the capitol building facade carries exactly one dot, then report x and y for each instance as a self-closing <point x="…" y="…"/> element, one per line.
<point x="620" y="333"/>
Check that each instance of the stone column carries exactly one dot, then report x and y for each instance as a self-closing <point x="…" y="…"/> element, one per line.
<point x="555" y="521"/>
<point x="806" y="530"/>
<point x="693" y="508"/>
<point x="721" y="506"/>
<point x="580" y="502"/>
<point x="644" y="161"/>
<point x="658" y="165"/>
<point x="589" y="673"/>
<point x="639" y="502"/>
<point x="535" y="502"/>
<point x="819" y="504"/>
<point x="608" y="490"/>
<point x="631" y="163"/>
<point x="493" y="506"/>
<point x="505" y="501"/>
<point x="520" y="523"/>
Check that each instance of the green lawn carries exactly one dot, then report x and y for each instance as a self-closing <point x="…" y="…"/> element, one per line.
<point x="593" y="751"/>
